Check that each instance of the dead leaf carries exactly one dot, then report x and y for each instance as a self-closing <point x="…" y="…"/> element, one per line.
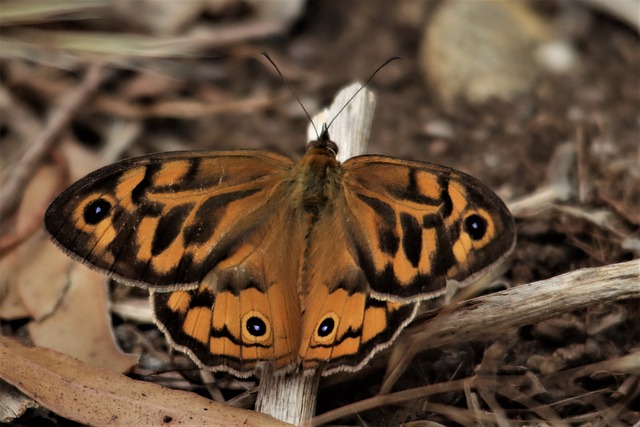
<point x="31" y="256"/>
<point x="43" y="278"/>
<point x="11" y="306"/>
<point x="80" y="325"/>
<point x="96" y="396"/>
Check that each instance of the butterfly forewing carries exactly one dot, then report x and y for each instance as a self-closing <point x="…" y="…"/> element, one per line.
<point x="212" y="220"/>
<point x="414" y="225"/>
<point x="165" y="219"/>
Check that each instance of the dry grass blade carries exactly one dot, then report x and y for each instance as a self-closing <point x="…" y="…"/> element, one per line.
<point x="20" y="12"/>
<point x="386" y="399"/>
<point x="629" y="364"/>
<point x="487" y="386"/>
<point x="120" y="48"/>
<point x="183" y="109"/>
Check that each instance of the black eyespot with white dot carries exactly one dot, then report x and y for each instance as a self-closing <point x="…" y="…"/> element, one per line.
<point x="96" y="211"/>
<point x="256" y="326"/>
<point x="326" y="327"/>
<point x="475" y="226"/>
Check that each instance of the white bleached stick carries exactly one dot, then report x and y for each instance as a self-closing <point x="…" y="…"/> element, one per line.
<point x="350" y="130"/>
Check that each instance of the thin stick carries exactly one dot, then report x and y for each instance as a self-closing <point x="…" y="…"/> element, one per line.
<point x="493" y="315"/>
<point x="292" y="397"/>
<point x="12" y="193"/>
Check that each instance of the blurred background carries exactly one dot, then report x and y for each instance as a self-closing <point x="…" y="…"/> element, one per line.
<point x="539" y="100"/>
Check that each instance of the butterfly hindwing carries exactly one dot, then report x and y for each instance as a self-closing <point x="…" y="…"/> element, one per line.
<point x="247" y="310"/>
<point x="227" y="331"/>
<point x="343" y="326"/>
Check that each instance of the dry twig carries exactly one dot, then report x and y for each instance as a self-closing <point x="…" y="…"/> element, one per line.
<point x="23" y="171"/>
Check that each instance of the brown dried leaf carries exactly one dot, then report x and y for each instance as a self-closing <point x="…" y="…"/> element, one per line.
<point x="80" y="325"/>
<point x="30" y="252"/>
<point x="11" y="306"/>
<point x="43" y="278"/>
<point x="96" y="396"/>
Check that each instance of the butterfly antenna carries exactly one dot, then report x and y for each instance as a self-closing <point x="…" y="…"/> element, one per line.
<point x="266" y="55"/>
<point x="384" y="64"/>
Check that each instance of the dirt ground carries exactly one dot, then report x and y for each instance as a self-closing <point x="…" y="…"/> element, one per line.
<point x="508" y="144"/>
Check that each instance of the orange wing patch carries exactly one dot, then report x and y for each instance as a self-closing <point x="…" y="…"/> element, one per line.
<point x="226" y="331"/>
<point x="344" y="331"/>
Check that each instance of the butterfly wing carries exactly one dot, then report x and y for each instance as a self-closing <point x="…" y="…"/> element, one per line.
<point x="165" y="219"/>
<point x="343" y="326"/>
<point x="202" y="226"/>
<point x="396" y="233"/>
<point x="247" y="311"/>
<point x="421" y="224"/>
<point x="219" y="239"/>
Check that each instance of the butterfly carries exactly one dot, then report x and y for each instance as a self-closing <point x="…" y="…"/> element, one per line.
<point x="252" y="258"/>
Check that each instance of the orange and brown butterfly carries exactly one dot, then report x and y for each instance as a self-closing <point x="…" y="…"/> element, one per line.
<point x="253" y="258"/>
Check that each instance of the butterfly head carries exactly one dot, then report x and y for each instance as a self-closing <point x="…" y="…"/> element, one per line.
<point x="323" y="142"/>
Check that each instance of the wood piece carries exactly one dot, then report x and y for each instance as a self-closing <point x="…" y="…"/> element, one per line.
<point x="493" y="315"/>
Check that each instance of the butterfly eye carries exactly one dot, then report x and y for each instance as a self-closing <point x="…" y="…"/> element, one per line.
<point x="256" y="327"/>
<point x="475" y="226"/>
<point x="96" y="211"/>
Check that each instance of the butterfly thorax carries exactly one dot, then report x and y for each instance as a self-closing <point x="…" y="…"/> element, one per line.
<point x="317" y="177"/>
